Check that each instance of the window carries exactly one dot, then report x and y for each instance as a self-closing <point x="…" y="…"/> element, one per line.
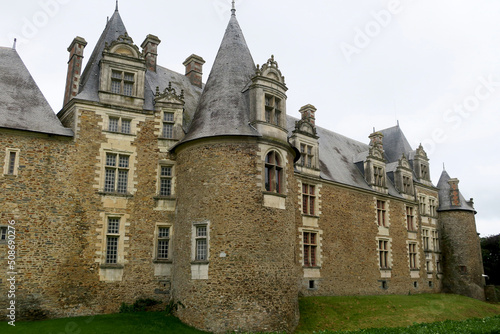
<point x="163" y="242"/>
<point x="381" y="213"/>
<point x="428" y="266"/>
<point x="117" y="124"/>
<point x="383" y="250"/>
<point x="201" y="247"/>
<point x="112" y="236"/>
<point x="425" y="237"/>
<point x="273" y="110"/>
<point x="306" y="158"/>
<point x="412" y="253"/>
<point x="122" y="83"/>
<point x="407" y="185"/>
<point x="11" y="162"/>
<point x="3" y="234"/>
<point x="308" y="199"/>
<point x="168" y="125"/>
<point x="378" y="176"/>
<point x="432" y="207"/>
<point x="422" y="206"/>
<point x="424" y="172"/>
<point x="435" y="241"/>
<point x="410" y="219"/>
<point x="438" y="266"/>
<point x="116" y="173"/>
<point x="274" y="173"/>
<point x="166" y="181"/>
<point x="310" y="248"/>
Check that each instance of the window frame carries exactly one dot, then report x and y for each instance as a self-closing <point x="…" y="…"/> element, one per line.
<point x="167" y="124"/>
<point x="162" y="238"/>
<point x="412" y="256"/>
<point x="273" y="113"/>
<point x="112" y="235"/>
<point x="410" y="219"/>
<point x="196" y="241"/>
<point x="407" y="185"/>
<point x="11" y="164"/>
<point x="120" y="125"/>
<point x="310" y="249"/>
<point x="306" y="156"/>
<point x="121" y="173"/>
<point x="381" y="207"/>
<point x="308" y="199"/>
<point x="273" y="173"/>
<point x="379" y="176"/>
<point x="426" y="239"/>
<point x="162" y="178"/>
<point x="126" y="87"/>
<point x="3" y="234"/>
<point x="383" y="249"/>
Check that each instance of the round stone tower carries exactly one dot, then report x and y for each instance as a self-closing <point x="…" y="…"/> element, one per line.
<point x="234" y="235"/>
<point x="462" y="260"/>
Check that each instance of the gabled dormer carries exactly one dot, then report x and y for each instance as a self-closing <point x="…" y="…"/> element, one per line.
<point x="122" y="74"/>
<point x="268" y="101"/>
<point x="374" y="165"/>
<point x="421" y="166"/>
<point x="305" y="139"/>
<point x="403" y="178"/>
<point x="169" y="108"/>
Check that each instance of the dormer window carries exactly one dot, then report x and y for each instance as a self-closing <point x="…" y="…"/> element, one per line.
<point x="168" y="125"/>
<point x="378" y="176"/>
<point x="122" y="83"/>
<point x="424" y="172"/>
<point x="273" y="110"/>
<point x="306" y="159"/>
<point x="406" y="184"/>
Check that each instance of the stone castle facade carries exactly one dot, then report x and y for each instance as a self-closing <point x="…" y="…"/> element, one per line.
<point x="149" y="183"/>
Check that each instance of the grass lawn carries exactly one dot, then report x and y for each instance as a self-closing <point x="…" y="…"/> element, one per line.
<point x="351" y="313"/>
<point x="318" y="314"/>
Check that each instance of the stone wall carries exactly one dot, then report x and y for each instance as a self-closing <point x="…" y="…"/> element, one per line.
<point x="462" y="264"/>
<point x="252" y="272"/>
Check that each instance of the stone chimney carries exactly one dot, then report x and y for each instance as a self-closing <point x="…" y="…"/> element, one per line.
<point x="194" y="69"/>
<point x="150" y="51"/>
<point x="74" y="68"/>
<point x="308" y="113"/>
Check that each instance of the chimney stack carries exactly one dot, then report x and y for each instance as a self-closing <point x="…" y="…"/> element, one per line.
<point x="308" y="113"/>
<point x="74" y="68"/>
<point x="150" y="51"/>
<point x="194" y="69"/>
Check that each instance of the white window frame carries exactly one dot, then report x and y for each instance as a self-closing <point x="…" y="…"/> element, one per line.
<point x="196" y="237"/>
<point x="119" y="125"/>
<point x="158" y="238"/>
<point x="273" y="113"/>
<point x="122" y="81"/>
<point x="118" y="235"/>
<point x="163" y="177"/>
<point x="166" y="122"/>
<point x="116" y="176"/>
<point x="386" y="251"/>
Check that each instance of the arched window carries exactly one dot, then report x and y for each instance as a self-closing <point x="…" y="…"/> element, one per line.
<point x="274" y="173"/>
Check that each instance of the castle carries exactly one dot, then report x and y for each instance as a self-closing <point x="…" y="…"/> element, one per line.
<point x="149" y="183"/>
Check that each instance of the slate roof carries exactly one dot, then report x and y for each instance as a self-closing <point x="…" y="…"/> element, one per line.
<point x="22" y="104"/>
<point x="89" y="87"/>
<point x="89" y="81"/>
<point x="395" y="144"/>
<point x="223" y="109"/>
<point x="444" y="196"/>
<point x="337" y="157"/>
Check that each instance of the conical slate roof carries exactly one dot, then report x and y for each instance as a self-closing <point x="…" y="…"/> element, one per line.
<point x="445" y="203"/>
<point x="22" y="104"/>
<point x="89" y="82"/>
<point x="224" y="110"/>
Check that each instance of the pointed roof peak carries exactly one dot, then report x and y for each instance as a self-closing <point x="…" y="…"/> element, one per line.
<point x="224" y="109"/>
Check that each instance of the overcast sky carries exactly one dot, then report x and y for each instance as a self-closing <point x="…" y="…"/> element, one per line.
<point x="432" y="65"/>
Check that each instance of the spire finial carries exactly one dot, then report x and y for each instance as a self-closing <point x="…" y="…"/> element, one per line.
<point x="14" y="46"/>
<point x="444" y="168"/>
<point x="233" y="10"/>
<point x="116" y="9"/>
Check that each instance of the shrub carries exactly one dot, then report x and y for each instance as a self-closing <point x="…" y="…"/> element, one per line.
<point x="140" y="305"/>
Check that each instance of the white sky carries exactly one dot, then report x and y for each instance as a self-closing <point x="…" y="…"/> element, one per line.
<point x="421" y="60"/>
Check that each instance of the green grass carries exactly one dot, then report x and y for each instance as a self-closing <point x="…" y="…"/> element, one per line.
<point x="121" y="323"/>
<point x="411" y="314"/>
<point x="351" y="313"/>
